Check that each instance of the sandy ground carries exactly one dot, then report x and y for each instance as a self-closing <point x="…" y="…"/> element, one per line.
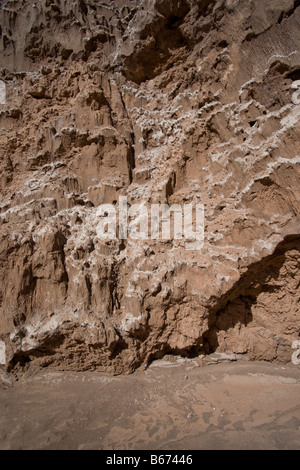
<point x="173" y="405"/>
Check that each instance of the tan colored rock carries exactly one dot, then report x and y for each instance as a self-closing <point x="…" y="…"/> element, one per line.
<point x="170" y="102"/>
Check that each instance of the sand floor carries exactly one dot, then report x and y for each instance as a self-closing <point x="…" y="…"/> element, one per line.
<point x="173" y="405"/>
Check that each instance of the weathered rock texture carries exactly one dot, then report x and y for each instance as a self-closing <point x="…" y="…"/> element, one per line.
<point x="169" y="101"/>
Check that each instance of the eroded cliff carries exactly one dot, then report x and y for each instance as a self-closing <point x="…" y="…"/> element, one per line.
<point x="160" y="101"/>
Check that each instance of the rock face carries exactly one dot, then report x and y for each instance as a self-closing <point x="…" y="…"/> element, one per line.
<point x="170" y="102"/>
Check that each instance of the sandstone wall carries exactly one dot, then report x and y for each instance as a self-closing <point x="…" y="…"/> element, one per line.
<point x="160" y="101"/>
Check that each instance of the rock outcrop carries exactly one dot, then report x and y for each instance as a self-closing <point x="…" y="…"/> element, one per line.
<point x="170" y="102"/>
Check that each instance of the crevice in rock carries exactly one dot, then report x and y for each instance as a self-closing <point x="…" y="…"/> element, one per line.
<point x="131" y="158"/>
<point x="287" y="14"/>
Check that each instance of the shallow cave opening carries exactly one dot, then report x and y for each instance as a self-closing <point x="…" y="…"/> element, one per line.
<point x="236" y="307"/>
<point x="152" y="58"/>
<point x="117" y="347"/>
<point x="20" y="359"/>
<point x="294" y="75"/>
<point x="48" y="348"/>
<point x="159" y="41"/>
